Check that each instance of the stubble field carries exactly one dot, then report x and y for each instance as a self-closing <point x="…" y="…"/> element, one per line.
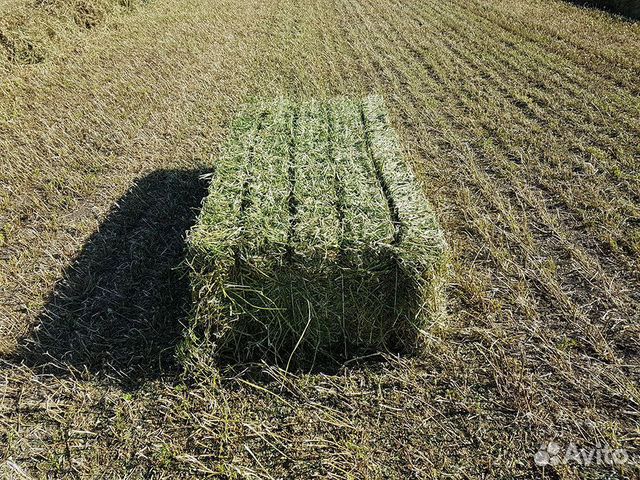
<point x="522" y="120"/>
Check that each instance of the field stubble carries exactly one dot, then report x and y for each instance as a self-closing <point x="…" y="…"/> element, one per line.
<point x="522" y="119"/>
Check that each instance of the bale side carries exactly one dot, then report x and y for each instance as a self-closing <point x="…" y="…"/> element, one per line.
<point x="420" y="243"/>
<point x="367" y="234"/>
<point x="254" y="317"/>
<point x="213" y="240"/>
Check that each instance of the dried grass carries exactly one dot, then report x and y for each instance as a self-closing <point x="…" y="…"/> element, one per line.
<point x="31" y="31"/>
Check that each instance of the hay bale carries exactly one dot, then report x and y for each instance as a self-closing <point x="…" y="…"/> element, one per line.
<point x="315" y="239"/>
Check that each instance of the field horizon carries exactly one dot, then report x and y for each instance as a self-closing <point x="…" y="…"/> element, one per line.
<point x="521" y="120"/>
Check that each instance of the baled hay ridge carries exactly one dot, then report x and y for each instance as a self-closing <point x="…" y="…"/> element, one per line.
<point x="315" y="238"/>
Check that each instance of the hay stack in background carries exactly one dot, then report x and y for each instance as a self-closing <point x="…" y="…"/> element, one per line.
<point x="314" y="240"/>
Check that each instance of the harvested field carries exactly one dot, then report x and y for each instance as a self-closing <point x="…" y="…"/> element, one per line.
<point x="33" y="31"/>
<point x="521" y="119"/>
<point x="314" y="241"/>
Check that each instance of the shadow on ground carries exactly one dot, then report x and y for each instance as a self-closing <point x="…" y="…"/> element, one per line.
<point x="118" y="308"/>
<point x="626" y="8"/>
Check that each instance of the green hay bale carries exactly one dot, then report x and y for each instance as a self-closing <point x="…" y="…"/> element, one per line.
<point x="315" y="239"/>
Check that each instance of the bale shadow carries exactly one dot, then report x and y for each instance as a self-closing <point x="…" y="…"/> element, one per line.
<point x="628" y="9"/>
<point x="117" y="310"/>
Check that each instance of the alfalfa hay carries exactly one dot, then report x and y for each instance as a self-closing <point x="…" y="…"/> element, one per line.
<point x="315" y="240"/>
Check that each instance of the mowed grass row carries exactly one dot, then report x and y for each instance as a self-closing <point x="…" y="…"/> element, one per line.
<point x="329" y="248"/>
<point x="521" y="118"/>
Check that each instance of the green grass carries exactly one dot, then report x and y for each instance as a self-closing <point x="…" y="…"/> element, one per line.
<point x="316" y="240"/>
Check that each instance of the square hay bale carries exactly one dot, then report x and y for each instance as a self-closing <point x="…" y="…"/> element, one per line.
<point x="315" y="239"/>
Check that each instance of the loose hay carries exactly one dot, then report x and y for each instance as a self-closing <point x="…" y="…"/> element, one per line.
<point x="31" y="31"/>
<point x="315" y="239"/>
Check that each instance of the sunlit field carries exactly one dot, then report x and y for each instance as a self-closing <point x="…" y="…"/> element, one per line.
<point x="521" y="120"/>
